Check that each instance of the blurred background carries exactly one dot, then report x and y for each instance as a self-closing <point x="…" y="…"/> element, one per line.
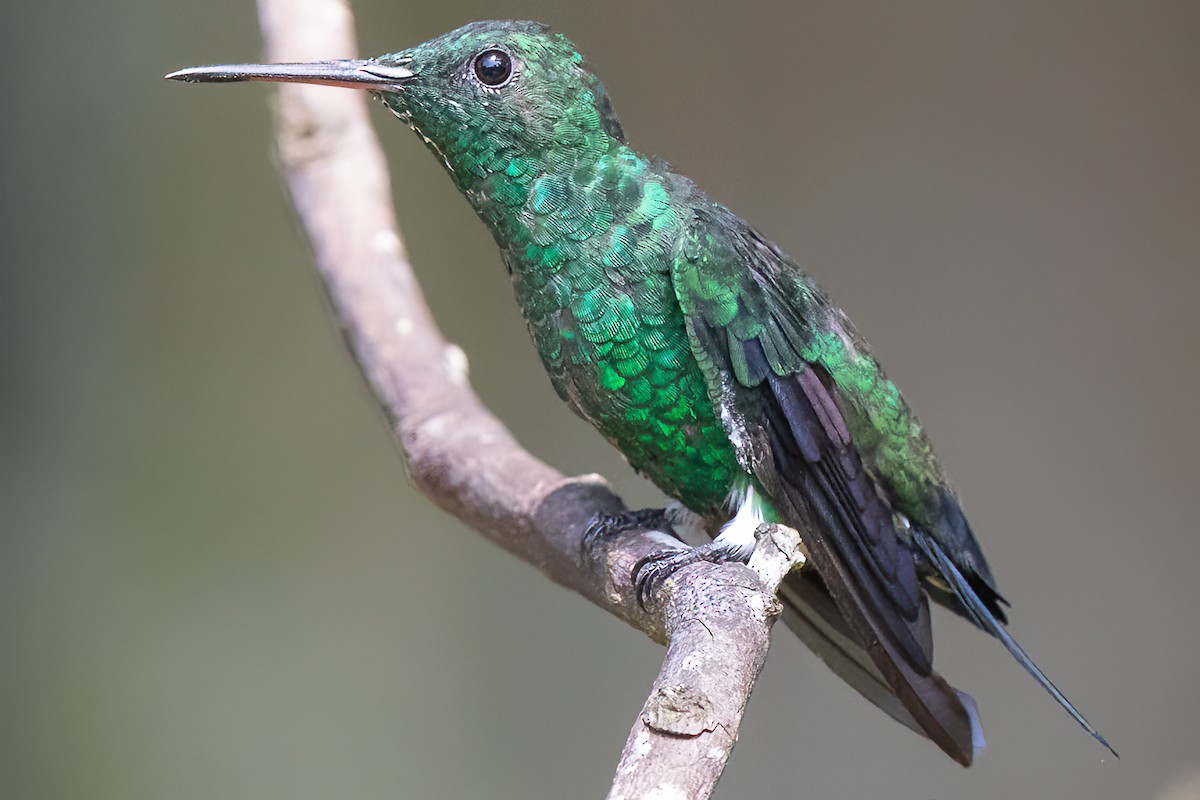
<point x="215" y="580"/>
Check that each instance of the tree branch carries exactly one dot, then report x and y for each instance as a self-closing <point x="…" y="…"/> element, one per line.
<point x="716" y="618"/>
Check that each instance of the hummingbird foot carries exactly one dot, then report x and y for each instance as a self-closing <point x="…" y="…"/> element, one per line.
<point x="603" y="527"/>
<point x="736" y="542"/>
<point x="651" y="572"/>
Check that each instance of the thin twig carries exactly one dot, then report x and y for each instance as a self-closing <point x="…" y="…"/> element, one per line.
<point x="717" y="618"/>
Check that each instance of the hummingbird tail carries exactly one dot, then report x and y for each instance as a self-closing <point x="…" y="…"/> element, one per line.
<point x="982" y="616"/>
<point x="933" y="708"/>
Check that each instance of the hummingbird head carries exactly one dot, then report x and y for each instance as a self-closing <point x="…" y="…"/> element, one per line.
<point x="501" y="85"/>
<point x="480" y="97"/>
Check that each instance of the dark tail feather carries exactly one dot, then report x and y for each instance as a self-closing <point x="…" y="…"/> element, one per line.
<point x="946" y="715"/>
<point x="986" y="620"/>
<point x="811" y="614"/>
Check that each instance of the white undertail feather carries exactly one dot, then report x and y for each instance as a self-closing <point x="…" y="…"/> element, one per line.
<point x="738" y="533"/>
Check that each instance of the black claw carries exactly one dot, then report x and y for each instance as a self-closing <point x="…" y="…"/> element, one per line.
<point x="605" y="526"/>
<point x="650" y="571"/>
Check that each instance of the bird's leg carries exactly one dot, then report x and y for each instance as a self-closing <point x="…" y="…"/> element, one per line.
<point x="603" y="527"/>
<point x="675" y="520"/>
<point x="736" y="542"/>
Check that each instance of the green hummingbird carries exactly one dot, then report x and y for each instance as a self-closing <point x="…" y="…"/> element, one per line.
<point x="700" y="350"/>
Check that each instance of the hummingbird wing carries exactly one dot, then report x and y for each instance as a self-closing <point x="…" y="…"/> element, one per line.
<point x="768" y="342"/>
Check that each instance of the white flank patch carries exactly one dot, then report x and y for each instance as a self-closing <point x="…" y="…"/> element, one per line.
<point x="734" y="429"/>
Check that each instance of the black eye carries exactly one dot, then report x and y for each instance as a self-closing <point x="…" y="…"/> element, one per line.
<point x="493" y="67"/>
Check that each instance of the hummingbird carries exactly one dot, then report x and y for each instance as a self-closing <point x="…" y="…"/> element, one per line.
<point x="702" y="351"/>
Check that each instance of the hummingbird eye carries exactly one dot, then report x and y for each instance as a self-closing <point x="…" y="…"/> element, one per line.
<point x="493" y="67"/>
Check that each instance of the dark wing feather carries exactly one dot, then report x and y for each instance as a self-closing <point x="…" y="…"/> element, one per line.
<point x="794" y="439"/>
<point x="870" y="574"/>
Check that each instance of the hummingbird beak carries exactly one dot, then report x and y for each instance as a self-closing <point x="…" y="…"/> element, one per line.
<point x="369" y="75"/>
